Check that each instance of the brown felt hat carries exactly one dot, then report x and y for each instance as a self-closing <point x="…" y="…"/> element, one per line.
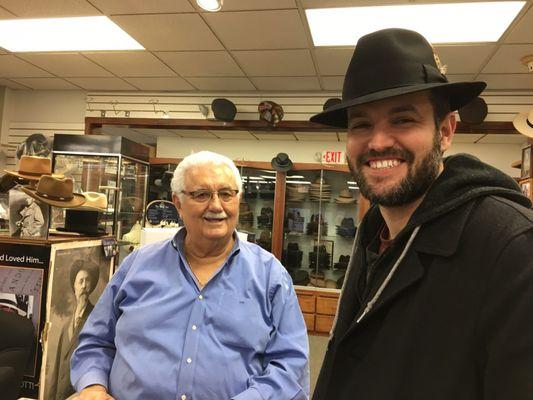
<point x="55" y="190"/>
<point x="32" y="168"/>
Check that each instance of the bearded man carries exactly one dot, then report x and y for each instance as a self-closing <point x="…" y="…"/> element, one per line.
<point x="437" y="300"/>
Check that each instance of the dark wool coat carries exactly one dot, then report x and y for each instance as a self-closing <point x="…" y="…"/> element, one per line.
<point x="455" y="322"/>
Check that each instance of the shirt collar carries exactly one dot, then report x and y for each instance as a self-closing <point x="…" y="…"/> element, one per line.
<point x="179" y="239"/>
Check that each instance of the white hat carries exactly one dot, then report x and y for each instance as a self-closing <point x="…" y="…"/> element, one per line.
<point x="523" y="123"/>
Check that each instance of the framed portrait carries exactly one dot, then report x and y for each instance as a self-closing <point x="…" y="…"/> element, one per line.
<point x="527" y="159"/>
<point x="525" y="187"/>
<point x="69" y="303"/>
<point x="27" y="217"/>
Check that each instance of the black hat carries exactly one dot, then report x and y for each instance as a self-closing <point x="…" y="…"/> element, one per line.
<point x="389" y="63"/>
<point x="474" y="112"/>
<point x="223" y="109"/>
<point x="281" y="162"/>
<point x="82" y="221"/>
<point x="331" y="102"/>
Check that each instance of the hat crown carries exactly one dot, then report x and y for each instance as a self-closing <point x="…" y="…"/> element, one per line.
<point x="95" y="200"/>
<point x="55" y="187"/>
<point x="387" y="59"/>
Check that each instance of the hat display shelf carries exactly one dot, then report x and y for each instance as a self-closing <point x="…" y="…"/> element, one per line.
<point x="321" y="207"/>
<point x="256" y="209"/>
<point x="112" y="165"/>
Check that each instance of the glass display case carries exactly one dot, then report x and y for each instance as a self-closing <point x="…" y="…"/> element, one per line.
<point x="111" y="165"/>
<point x="319" y="226"/>
<point x="256" y="209"/>
<point x="159" y="181"/>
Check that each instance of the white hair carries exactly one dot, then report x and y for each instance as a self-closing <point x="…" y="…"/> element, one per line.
<point x="201" y="158"/>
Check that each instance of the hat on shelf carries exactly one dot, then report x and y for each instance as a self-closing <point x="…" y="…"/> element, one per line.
<point x="474" y="112"/>
<point x="331" y="102"/>
<point x="84" y="222"/>
<point x="345" y="197"/>
<point x="394" y="62"/>
<point x="55" y="190"/>
<point x="32" y="168"/>
<point x="270" y="112"/>
<point x="94" y="201"/>
<point x="223" y="109"/>
<point x="281" y="162"/>
<point x="523" y="123"/>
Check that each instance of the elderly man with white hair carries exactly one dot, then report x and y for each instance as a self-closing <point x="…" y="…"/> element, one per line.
<point x="203" y="316"/>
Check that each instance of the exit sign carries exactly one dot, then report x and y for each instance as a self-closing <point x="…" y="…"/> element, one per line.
<point x="333" y="157"/>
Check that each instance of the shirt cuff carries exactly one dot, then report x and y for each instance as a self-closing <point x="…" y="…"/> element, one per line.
<point x="92" y="377"/>
<point x="248" y="394"/>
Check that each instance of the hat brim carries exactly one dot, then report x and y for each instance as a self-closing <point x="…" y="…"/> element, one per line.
<point x="76" y="201"/>
<point x="521" y="125"/>
<point x="461" y="93"/>
<point x="281" y="168"/>
<point x="23" y="176"/>
<point x="99" y="231"/>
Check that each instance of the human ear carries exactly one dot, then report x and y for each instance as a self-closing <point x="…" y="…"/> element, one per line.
<point x="446" y="131"/>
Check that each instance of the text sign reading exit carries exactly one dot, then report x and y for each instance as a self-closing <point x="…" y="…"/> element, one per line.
<point x="332" y="157"/>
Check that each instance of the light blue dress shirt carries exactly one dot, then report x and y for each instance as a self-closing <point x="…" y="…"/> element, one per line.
<point x="156" y="335"/>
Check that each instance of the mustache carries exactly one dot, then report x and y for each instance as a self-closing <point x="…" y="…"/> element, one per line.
<point x="210" y="214"/>
<point x="392" y="152"/>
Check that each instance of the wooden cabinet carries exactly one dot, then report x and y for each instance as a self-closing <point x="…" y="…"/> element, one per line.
<point x="318" y="308"/>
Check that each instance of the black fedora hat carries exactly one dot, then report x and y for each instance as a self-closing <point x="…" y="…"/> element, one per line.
<point x="474" y="112"/>
<point x="223" y="109"/>
<point x="281" y="162"/>
<point x="393" y="62"/>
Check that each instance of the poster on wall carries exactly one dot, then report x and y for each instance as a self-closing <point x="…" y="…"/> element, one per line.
<point x="79" y="274"/>
<point x="23" y="272"/>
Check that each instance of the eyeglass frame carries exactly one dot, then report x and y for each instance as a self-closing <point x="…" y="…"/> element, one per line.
<point x="211" y="193"/>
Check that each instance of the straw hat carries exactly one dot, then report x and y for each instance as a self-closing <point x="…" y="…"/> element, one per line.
<point x="94" y="201"/>
<point x="55" y="190"/>
<point x="32" y="168"/>
<point x="523" y="123"/>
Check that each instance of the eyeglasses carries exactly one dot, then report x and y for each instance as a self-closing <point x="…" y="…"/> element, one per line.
<point x="203" y="196"/>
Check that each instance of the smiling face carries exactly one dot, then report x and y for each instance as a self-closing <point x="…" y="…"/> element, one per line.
<point x="394" y="149"/>
<point x="215" y="219"/>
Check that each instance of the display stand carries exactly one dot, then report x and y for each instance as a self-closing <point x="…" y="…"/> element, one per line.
<point x="36" y="273"/>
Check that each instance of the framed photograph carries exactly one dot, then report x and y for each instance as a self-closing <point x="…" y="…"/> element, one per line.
<point x="526" y="162"/>
<point x="27" y="217"/>
<point x="70" y="300"/>
<point x="525" y="186"/>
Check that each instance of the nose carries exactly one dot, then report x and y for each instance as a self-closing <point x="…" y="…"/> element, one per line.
<point x="380" y="139"/>
<point x="214" y="202"/>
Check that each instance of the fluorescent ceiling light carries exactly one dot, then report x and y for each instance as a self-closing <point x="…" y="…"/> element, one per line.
<point x="64" y="34"/>
<point x="439" y="23"/>
<point x="295" y="176"/>
<point x="210" y="5"/>
<point x="299" y="182"/>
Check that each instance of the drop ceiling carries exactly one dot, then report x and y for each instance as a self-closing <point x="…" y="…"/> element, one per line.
<point x="252" y="45"/>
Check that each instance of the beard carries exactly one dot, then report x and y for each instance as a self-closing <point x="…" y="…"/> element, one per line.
<point x="413" y="186"/>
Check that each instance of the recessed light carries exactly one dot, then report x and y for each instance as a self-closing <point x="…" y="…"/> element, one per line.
<point x="439" y="23"/>
<point x="210" y="5"/>
<point x="64" y="34"/>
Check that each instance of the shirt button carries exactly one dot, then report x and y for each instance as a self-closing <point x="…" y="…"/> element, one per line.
<point x="200" y="297"/>
<point x="189" y="360"/>
<point x="194" y="327"/>
<point x="183" y="397"/>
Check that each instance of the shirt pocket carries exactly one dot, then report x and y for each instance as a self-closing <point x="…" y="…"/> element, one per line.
<point x="240" y="322"/>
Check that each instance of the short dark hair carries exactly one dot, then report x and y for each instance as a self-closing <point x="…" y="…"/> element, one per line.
<point x="440" y="100"/>
<point x="91" y="268"/>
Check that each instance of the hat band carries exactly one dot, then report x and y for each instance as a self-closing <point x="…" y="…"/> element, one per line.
<point x="57" y="198"/>
<point x="529" y="123"/>
<point x="31" y="173"/>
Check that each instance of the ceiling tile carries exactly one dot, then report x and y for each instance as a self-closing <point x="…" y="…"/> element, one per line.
<point x="137" y="63"/>
<point x="236" y="5"/>
<point x="317" y="136"/>
<point x="169" y="31"/>
<point x="163" y="84"/>
<point x="286" y="83"/>
<point x="11" y="84"/>
<point x="466" y="137"/>
<point x="201" y="63"/>
<point x="13" y="67"/>
<point x="508" y="81"/>
<point x="49" y="8"/>
<point x="101" y="83"/>
<point x="502" y="139"/>
<point x="65" y="65"/>
<point x="507" y="59"/>
<point x="333" y="61"/>
<point x="250" y="30"/>
<point x="226" y="84"/>
<point x="242" y="135"/>
<point x="347" y="3"/>
<point x="523" y="31"/>
<point x="4" y="14"/>
<point x="276" y="62"/>
<point x="110" y="7"/>
<point x="46" y="83"/>
<point x="464" y="59"/>
<point x="274" y="136"/>
<point x="333" y="82"/>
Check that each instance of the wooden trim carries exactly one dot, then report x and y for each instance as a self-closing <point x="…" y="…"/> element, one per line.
<point x="489" y="127"/>
<point x="279" y="215"/>
<point x="160" y="160"/>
